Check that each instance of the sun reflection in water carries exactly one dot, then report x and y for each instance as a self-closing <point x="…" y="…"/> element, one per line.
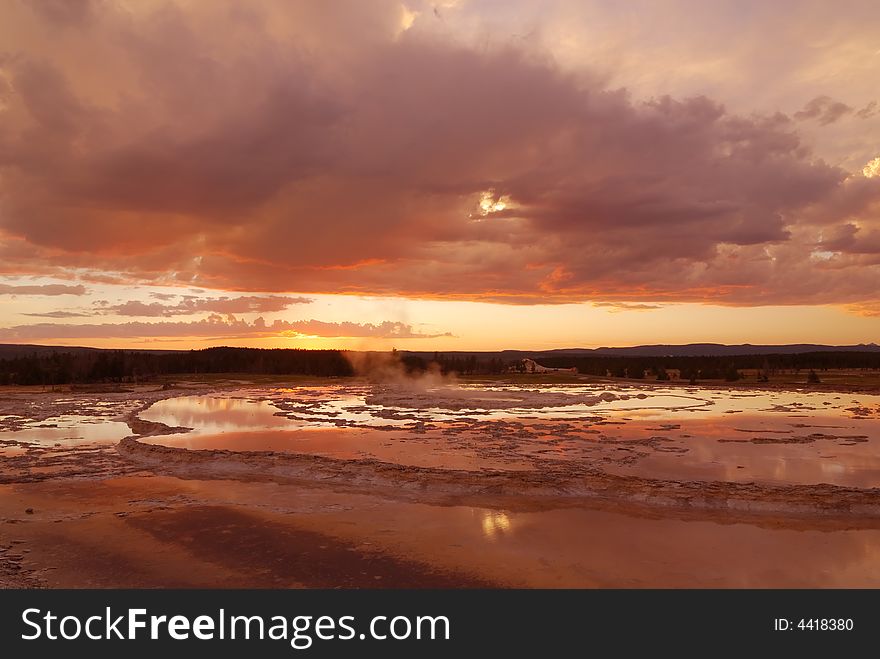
<point x="495" y="523"/>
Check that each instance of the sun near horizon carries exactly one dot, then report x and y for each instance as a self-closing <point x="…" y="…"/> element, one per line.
<point x="182" y="175"/>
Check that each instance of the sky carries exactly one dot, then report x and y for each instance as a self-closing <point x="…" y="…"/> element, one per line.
<point x="439" y="175"/>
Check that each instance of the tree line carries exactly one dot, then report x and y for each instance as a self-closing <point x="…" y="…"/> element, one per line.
<point x="60" y="367"/>
<point x="711" y="367"/>
<point x="132" y="366"/>
<point x="707" y="367"/>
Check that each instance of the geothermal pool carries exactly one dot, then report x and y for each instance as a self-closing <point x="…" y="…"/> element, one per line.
<point x="526" y="486"/>
<point x="694" y="434"/>
<point x="68" y="431"/>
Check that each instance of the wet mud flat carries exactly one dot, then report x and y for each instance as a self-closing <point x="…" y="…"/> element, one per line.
<point x="160" y="531"/>
<point x="365" y="485"/>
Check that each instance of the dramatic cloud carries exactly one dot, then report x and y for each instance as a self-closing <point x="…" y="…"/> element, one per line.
<point x="190" y="305"/>
<point x="372" y="148"/>
<point x="42" y="289"/>
<point x="214" y="327"/>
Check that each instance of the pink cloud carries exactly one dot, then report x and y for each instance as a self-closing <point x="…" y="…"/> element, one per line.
<point x="823" y="109"/>
<point x="42" y="289"/>
<point x="214" y="326"/>
<point x="347" y="156"/>
<point x="191" y="305"/>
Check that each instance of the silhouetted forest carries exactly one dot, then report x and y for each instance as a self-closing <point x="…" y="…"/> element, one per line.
<point x="726" y="367"/>
<point x="716" y="367"/>
<point x="130" y="366"/>
<point x="93" y="366"/>
<point x="462" y="364"/>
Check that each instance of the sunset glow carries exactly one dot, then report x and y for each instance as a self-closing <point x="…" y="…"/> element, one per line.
<point x="438" y="175"/>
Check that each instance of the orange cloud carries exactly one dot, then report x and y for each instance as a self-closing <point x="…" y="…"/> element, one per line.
<point x="214" y="326"/>
<point x="191" y="305"/>
<point x="289" y="149"/>
<point x="42" y="289"/>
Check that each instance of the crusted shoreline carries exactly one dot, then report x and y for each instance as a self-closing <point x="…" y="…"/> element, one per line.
<point x="555" y="481"/>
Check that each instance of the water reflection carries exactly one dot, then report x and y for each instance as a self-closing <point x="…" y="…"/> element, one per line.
<point x="494" y="523"/>
<point x="217" y="414"/>
<point x="689" y="433"/>
<point x="66" y="431"/>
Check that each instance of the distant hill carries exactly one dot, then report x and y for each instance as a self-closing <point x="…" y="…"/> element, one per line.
<point x="661" y="350"/>
<point x="721" y="350"/>
<point x="13" y="350"/>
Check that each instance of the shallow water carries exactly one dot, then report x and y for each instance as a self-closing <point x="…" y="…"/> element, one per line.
<point x="127" y="540"/>
<point x="66" y="431"/>
<point x="676" y="433"/>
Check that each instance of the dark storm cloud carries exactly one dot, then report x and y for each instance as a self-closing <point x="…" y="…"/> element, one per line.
<point x="318" y="148"/>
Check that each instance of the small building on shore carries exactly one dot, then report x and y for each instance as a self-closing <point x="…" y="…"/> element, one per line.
<point x="662" y="374"/>
<point x="531" y="366"/>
